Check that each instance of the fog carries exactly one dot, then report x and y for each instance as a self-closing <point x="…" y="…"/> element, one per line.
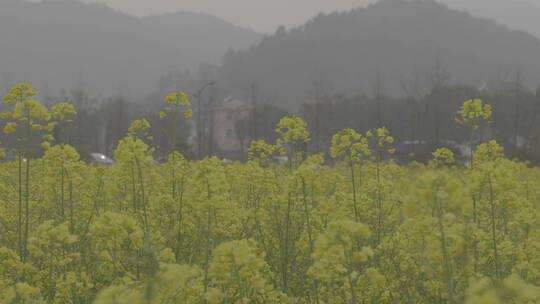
<point x="261" y="15"/>
<point x="404" y="64"/>
<point x="266" y="16"/>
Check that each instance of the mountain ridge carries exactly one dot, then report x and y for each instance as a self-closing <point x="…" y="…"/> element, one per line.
<point x="504" y="12"/>
<point x="61" y="44"/>
<point x="390" y="40"/>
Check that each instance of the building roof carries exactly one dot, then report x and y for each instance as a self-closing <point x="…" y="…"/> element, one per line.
<point x="232" y="103"/>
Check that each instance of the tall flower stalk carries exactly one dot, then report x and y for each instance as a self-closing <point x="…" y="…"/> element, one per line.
<point x="354" y="147"/>
<point x="27" y="119"/>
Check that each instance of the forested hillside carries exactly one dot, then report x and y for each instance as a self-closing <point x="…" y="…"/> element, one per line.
<point x="388" y="44"/>
<point x="63" y="44"/>
<point x="517" y="14"/>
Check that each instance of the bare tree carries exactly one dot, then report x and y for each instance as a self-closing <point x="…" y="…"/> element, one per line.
<point x="536" y="107"/>
<point x="438" y="79"/>
<point x="517" y="106"/>
<point x="415" y="96"/>
<point x="317" y="93"/>
<point x="254" y="110"/>
<point x="378" y="99"/>
<point x="200" y="126"/>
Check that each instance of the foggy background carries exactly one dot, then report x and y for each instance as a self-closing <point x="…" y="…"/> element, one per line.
<point x="406" y="65"/>
<point x="260" y="15"/>
<point x="266" y="16"/>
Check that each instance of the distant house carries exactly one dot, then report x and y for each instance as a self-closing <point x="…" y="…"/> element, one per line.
<point x="226" y="114"/>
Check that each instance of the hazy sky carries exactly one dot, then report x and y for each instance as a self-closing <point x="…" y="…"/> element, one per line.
<point x="261" y="15"/>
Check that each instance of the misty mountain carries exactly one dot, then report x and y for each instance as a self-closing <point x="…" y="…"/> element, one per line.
<point x="517" y="14"/>
<point x="63" y="44"/>
<point x="202" y="37"/>
<point x="391" y="43"/>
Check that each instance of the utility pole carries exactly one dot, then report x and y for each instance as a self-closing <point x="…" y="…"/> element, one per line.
<point x="378" y="93"/>
<point x="317" y="87"/>
<point x="532" y="134"/>
<point x="199" y="128"/>
<point x="254" y="102"/>
<point x="210" y="121"/>
<point x="517" y="108"/>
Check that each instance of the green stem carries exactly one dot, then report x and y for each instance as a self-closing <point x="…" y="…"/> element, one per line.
<point x="310" y="234"/>
<point x="353" y="182"/>
<point x="27" y="208"/>
<point x="493" y="227"/>
<point x="143" y="199"/>
<point x="208" y="234"/>
<point x="62" y="186"/>
<point x="20" y="211"/>
<point x="380" y="217"/>
<point x="444" y="248"/>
